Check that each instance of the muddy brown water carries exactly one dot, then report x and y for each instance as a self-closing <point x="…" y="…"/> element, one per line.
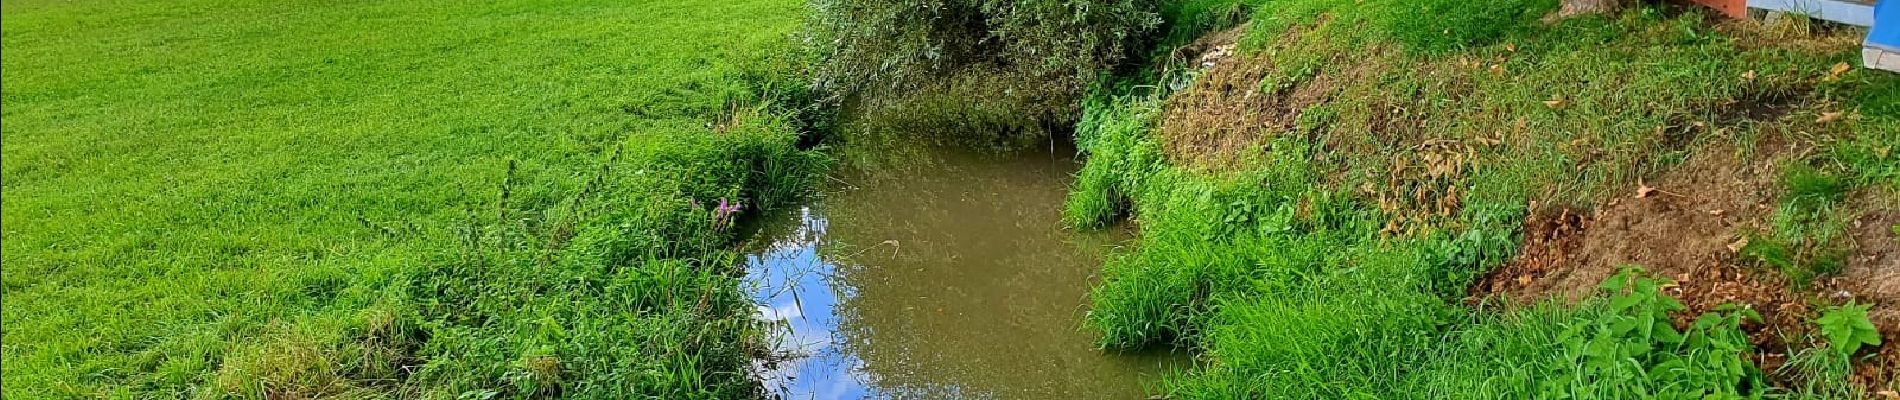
<point x="946" y="275"/>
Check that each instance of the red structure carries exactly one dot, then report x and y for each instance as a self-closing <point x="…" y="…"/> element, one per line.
<point x="1731" y="8"/>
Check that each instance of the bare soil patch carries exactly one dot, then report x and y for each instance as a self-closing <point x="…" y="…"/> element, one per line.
<point x="1873" y="276"/>
<point x="1686" y="225"/>
<point x="1228" y="113"/>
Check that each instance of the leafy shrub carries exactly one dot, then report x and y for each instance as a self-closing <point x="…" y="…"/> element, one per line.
<point x="1033" y="57"/>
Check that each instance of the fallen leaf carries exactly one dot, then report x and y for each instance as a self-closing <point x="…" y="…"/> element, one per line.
<point x="1839" y="68"/>
<point x="1749" y="76"/>
<point x="1643" y="190"/>
<point x="1717" y="213"/>
<point x="1738" y="244"/>
<point x="1523" y="279"/>
<point x="1827" y="117"/>
<point x="1511" y="47"/>
<point x="1497" y="70"/>
<point x="1556" y="103"/>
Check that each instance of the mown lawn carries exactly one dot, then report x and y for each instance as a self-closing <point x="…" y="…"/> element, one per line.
<point x="206" y="198"/>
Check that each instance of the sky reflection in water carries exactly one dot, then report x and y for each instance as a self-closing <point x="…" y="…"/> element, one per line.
<point x="947" y="278"/>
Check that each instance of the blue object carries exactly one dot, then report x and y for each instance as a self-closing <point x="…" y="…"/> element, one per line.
<point x="1886" y="32"/>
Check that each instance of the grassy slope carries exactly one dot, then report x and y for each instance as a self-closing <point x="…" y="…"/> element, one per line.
<point x="1315" y="270"/>
<point x="205" y="194"/>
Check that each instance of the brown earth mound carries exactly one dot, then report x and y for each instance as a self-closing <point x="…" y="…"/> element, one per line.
<point x="1873" y="273"/>
<point x="1228" y="112"/>
<point x="1687" y="226"/>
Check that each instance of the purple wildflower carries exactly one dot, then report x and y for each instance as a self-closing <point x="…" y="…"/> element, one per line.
<point x="723" y="215"/>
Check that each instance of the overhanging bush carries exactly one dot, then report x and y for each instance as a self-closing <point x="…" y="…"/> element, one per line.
<point x="1037" y="56"/>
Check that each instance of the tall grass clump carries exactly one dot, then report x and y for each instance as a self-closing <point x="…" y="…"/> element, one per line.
<point x="626" y="288"/>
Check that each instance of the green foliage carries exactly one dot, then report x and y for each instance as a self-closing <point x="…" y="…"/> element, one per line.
<point x="1872" y="155"/>
<point x="1847" y="328"/>
<point x="1017" y="64"/>
<point x="1806" y="227"/>
<point x="1453" y="25"/>
<point x="623" y="289"/>
<point x="1183" y="21"/>
<point x="1822" y="373"/>
<point x="901" y="44"/>
<point x="1811" y="188"/>
<point x="1458" y="24"/>
<point x="1707" y="360"/>
<point x="1120" y="155"/>
<point x="1881" y="98"/>
<point x="1614" y="347"/>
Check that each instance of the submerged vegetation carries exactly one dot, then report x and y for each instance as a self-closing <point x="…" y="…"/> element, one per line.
<point x="1335" y="198"/>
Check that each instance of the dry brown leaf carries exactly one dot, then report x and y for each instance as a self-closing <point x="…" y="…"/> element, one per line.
<point x="1839" y="68"/>
<point x="1511" y="47"/>
<point x="1557" y="103"/>
<point x="1717" y="213"/>
<point x="1523" y="279"/>
<point x="1738" y="244"/>
<point x="1827" y="117"/>
<point x="1749" y="76"/>
<point x="1497" y="70"/>
<point x="1643" y="190"/>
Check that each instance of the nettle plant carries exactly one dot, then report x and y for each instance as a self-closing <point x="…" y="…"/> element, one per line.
<point x="1847" y="328"/>
<point x="1634" y="347"/>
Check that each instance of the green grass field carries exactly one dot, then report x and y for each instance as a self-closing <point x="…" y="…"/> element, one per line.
<point x="215" y="198"/>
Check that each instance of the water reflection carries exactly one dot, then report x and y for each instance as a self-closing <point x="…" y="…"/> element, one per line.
<point x="946" y="277"/>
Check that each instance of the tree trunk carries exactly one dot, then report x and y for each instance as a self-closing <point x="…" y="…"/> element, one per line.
<point x="1573" y="8"/>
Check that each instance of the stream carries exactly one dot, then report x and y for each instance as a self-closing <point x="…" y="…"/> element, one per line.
<point x="945" y="276"/>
